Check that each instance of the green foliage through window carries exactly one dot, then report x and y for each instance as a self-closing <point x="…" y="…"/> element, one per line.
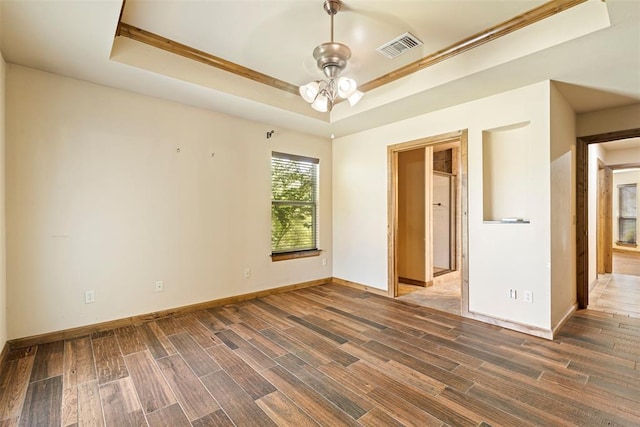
<point x="294" y="190"/>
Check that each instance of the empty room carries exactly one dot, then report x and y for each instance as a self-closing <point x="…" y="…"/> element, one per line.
<point x="319" y="212"/>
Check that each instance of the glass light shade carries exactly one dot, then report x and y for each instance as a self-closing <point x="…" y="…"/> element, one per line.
<point x="355" y="97"/>
<point x="321" y="103"/>
<point x="346" y="87"/>
<point x="309" y="91"/>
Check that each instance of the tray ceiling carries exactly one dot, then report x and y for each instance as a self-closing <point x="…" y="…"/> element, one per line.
<point x="593" y="47"/>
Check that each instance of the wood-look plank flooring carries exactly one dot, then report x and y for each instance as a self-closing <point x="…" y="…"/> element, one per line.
<point x="626" y="263"/>
<point x="444" y="294"/>
<point x="616" y="293"/>
<point x="329" y="355"/>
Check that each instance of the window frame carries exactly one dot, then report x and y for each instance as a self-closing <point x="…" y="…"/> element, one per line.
<point x="622" y="218"/>
<point x="314" y="204"/>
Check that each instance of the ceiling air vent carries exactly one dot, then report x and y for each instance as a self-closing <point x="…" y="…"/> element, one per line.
<point x="399" y="45"/>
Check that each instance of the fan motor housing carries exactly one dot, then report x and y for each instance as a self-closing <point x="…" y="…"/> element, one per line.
<point x="332" y="6"/>
<point x="332" y="58"/>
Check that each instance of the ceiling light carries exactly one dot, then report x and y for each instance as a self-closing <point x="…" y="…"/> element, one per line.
<point x="346" y="87"/>
<point x="331" y="58"/>
<point x="355" y="98"/>
<point x="321" y="103"/>
<point x="309" y="91"/>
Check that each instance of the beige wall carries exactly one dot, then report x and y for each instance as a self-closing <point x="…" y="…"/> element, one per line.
<point x="609" y="120"/>
<point x="501" y="256"/>
<point x="563" y="196"/>
<point x="3" y="269"/>
<point x="631" y="177"/>
<point x="623" y="157"/>
<point x="99" y="199"/>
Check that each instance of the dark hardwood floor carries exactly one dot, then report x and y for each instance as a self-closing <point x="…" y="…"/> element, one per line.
<point x="329" y="355"/>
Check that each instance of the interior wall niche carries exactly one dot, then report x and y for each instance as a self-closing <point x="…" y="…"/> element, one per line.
<point x="505" y="173"/>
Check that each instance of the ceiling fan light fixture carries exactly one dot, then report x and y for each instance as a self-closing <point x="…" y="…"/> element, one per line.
<point x="355" y="98"/>
<point x="346" y="87"/>
<point x="309" y="91"/>
<point x="321" y="103"/>
<point x="331" y="59"/>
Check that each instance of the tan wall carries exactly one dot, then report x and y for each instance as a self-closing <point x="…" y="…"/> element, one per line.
<point x="609" y="120"/>
<point x="3" y="254"/>
<point x="498" y="253"/>
<point x="623" y="157"/>
<point x="99" y="199"/>
<point x="563" y="207"/>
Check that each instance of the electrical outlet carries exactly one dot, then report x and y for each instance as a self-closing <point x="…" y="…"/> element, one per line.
<point x="528" y="296"/>
<point x="324" y="261"/>
<point x="513" y="294"/>
<point x="89" y="297"/>
<point x="159" y="286"/>
<point x="247" y="272"/>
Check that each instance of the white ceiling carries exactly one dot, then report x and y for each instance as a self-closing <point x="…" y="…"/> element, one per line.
<point x="598" y="63"/>
<point x="277" y="37"/>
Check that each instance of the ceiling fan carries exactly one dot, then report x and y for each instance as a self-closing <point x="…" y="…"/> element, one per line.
<point x="331" y="58"/>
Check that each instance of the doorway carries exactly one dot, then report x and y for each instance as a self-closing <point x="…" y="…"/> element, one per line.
<point x="616" y="287"/>
<point x="427" y="205"/>
<point x="582" y="209"/>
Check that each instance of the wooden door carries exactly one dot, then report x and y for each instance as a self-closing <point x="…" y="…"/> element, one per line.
<point x="604" y="223"/>
<point x="412" y="231"/>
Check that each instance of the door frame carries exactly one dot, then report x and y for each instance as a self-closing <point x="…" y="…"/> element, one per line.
<point x="604" y="224"/>
<point x="582" y="206"/>
<point x="452" y="138"/>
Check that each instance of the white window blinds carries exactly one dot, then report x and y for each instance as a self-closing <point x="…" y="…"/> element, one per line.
<point x="294" y="210"/>
<point x="627" y="213"/>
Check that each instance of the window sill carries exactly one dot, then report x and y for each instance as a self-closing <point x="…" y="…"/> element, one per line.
<point x="627" y="245"/>
<point x="293" y="255"/>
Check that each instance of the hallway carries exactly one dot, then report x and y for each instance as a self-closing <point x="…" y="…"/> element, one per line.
<point x="619" y="292"/>
<point x="616" y="293"/>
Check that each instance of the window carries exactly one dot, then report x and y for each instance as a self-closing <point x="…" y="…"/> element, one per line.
<point x="627" y="214"/>
<point x="294" y="206"/>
